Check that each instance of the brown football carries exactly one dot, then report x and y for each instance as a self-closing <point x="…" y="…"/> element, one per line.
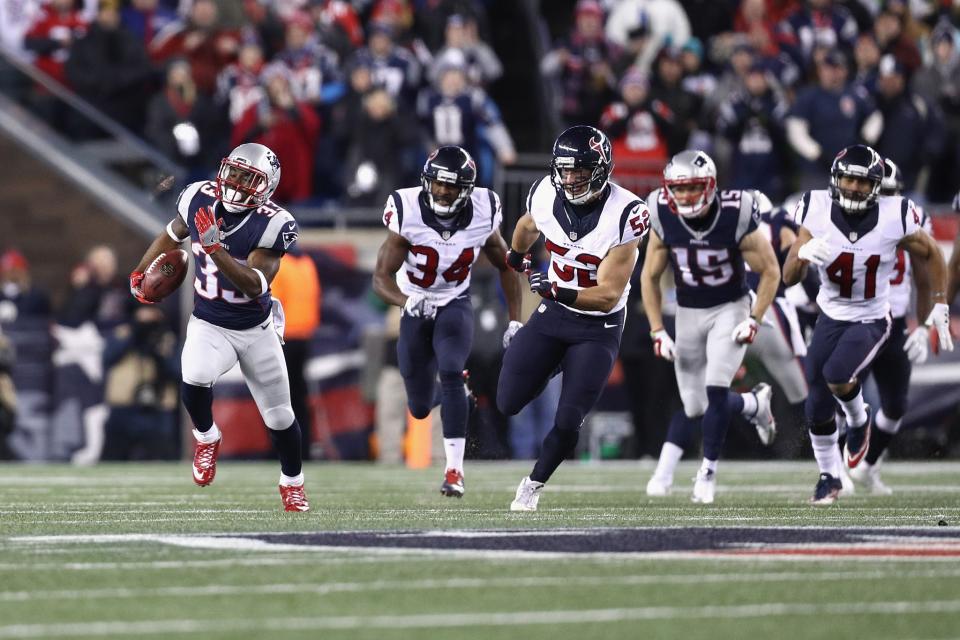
<point x="164" y="274"/>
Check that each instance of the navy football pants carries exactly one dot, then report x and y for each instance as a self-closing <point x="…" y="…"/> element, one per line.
<point x="891" y="371"/>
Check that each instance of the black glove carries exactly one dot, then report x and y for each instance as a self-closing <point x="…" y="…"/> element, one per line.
<point x="517" y="261"/>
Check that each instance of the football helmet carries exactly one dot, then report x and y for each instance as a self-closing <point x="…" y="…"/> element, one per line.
<point x="581" y="147"/>
<point x="892" y="183"/>
<point x="764" y="205"/>
<point x="247" y="177"/>
<point x="858" y="161"/>
<point x="449" y="165"/>
<point x="690" y="167"/>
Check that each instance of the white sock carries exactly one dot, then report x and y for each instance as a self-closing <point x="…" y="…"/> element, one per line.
<point x="886" y="424"/>
<point x="454" y="448"/>
<point x="291" y="481"/>
<point x="827" y="453"/>
<point x="670" y="455"/>
<point x="709" y="465"/>
<point x="854" y="410"/>
<point x="750" y="405"/>
<point x="209" y="436"/>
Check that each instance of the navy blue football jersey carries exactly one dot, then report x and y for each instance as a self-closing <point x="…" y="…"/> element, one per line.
<point x="707" y="265"/>
<point x="771" y="225"/>
<point x="216" y="299"/>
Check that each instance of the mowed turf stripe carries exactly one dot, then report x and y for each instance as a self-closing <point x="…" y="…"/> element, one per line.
<point x="487" y="619"/>
<point x="574" y="582"/>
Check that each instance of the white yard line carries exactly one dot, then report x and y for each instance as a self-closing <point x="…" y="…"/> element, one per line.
<point x="485" y="619"/>
<point x="573" y="582"/>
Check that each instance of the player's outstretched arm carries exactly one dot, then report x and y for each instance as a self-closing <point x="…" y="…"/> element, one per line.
<point x="496" y="251"/>
<point x="613" y="274"/>
<point x="390" y="258"/>
<point x="924" y="249"/>
<point x="653" y="266"/>
<point x="758" y="253"/>
<point x="794" y="268"/>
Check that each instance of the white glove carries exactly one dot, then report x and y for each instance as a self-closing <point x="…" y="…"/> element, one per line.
<point x="816" y="250"/>
<point x="511" y="331"/>
<point x="663" y="345"/>
<point x="419" y="306"/>
<point x="745" y="332"/>
<point x="939" y="320"/>
<point x="916" y="345"/>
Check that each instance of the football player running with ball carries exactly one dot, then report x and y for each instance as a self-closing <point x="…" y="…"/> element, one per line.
<point x="706" y="235"/>
<point x="592" y="229"/>
<point x="238" y="236"/>
<point x="435" y="233"/>
<point x="852" y="235"/>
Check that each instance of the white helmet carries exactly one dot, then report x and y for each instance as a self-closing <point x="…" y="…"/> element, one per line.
<point x="764" y="205"/>
<point x="690" y="167"/>
<point x="247" y="177"/>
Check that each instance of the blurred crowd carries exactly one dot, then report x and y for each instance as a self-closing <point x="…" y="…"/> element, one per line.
<point x="773" y="89"/>
<point x="350" y="95"/>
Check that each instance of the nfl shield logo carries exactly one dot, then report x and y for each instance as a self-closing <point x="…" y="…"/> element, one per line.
<point x="446" y="235"/>
<point x="573" y="236"/>
<point x="853" y="236"/>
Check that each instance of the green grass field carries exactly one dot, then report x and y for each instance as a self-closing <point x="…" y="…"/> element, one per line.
<point x="139" y="551"/>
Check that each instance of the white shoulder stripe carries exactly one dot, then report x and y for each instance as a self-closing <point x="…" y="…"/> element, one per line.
<point x="274" y="228"/>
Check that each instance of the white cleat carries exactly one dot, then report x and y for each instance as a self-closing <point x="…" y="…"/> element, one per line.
<point x="763" y="418"/>
<point x="704" y="486"/>
<point x="847" y="488"/>
<point x="658" y="488"/>
<point x="528" y="495"/>
<point x="868" y="475"/>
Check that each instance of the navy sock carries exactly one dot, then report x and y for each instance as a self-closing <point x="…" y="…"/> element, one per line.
<point x="558" y="444"/>
<point x="287" y="443"/>
<point x="682" y="430"/>
<point x="879" y="441"/>
<point x="454" y="406"/>
<point x="716" y="420"/>
<point x="199" y="404"/>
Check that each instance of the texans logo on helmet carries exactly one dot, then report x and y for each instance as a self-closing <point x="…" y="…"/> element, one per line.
<point x="596" y="143"/>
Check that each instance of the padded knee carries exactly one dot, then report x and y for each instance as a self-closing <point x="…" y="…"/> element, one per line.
<point x="569" y="418"/>
<point x="278" y="418"/>
<point x="718" y="398"/>
<point x="419" y="410"/>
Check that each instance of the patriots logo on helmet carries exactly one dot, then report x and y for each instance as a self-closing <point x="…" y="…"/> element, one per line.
<point x="596" y="143"/>
<point x="273" y="160"/>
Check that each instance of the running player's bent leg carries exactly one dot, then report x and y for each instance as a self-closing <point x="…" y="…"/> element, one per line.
<point x="724" y="357"/>
<point x="452" y="338"/>
<point x="417" y="364"/>
<point x="891" y="370"/>
<point x="207" y="354"/>
<point x="586" y="367"/>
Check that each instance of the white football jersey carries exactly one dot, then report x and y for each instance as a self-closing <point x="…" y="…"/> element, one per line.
<point x="901" y="283"/>
<point x="855" y="282"/>
<point x="441" y="254"/>
<point x="578" y="245"/>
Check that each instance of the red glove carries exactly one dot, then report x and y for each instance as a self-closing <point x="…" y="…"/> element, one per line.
<point x="208" y="229"/>
<point x="136" y="287"/>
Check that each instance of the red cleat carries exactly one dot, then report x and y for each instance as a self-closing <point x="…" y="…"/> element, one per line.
<point x="205" y="462"/>
<point x="294" y="499"/>
<point x="452" y="486"/>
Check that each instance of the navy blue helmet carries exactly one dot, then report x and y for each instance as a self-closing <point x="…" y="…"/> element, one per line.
<point x="858" y="161"/>
<point x="449" y="165"/>
<point x="581" y="147"/>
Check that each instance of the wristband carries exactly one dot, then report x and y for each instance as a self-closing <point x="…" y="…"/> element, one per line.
<point x="565" y="296"/>
<point x="264" y="287"/>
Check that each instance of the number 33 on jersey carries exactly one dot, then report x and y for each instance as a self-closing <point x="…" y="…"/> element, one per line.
<point x="441" y="253"/>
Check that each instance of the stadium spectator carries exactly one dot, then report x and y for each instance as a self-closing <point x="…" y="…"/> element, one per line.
<point x="866" y="56"/>
<point x="753" y="121"/>
<point x="938" y="83"/>
<point x="297" y="287"/>
<point x="286" y="126"/>
<point x="198" y="39"/>
<point x="50" y="37"/>
<point x="454" y="113"/>
<point x="708" y="18"/>
<point x="892" y="38"/>
<point x="638" y="38"/>
<point x="393" y="67"/>
<point x="144" y="19"/>
<point x="912" y="132"/>
<point x="822" y="24"/>
<point x="96" y="294"/>
<point x="338" y="25"/>
<point x="684" y="107"/>
<point x="827" y="118"/>
<point x="732" y="80"/>
<point x="263" y="26"/>
<point x="141" y="375"/>
<point x="696" y="79"/>
<point x="19" y="299"/>
<point x="184" y="124"/>
<point x="638" y="128"/>
<point x="483" y="65"/>
<point x="668" y="24"/>
<point x="583" y="66"/>
<point x="238" y="85"/>
<point x="314" y="77"/>
<point x="17" y="17"/>
<point x="754" y="22"/>
<point x="380" y="143"/>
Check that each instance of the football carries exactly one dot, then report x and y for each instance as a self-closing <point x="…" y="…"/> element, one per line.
<point x="164" y="275"/>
